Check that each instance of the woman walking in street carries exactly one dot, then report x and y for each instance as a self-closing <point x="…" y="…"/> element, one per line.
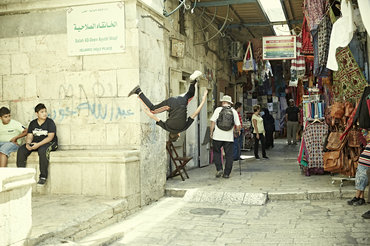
<point x="269" y="125"/>
<point x="258" y="132"/>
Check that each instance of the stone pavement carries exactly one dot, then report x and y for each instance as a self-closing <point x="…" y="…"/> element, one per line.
<point x="279" y="178"/>
<point x="214" y="211"/>
<point x="172" y="221"/>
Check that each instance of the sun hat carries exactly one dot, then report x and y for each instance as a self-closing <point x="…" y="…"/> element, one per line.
<point x="226" y="98"/>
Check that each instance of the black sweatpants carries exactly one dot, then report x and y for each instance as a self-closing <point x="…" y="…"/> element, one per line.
<point x="169" y="103"/>
<point x="228" y="148"/>
<point x="263" y="144"/>
<point x="44" y="157"/>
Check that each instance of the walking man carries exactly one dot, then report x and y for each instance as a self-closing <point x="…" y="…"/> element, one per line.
<point x="292" y="116"/>
<point x="223" y="120"/>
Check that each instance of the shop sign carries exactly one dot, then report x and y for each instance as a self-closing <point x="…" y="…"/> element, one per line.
<point x="279" y="47"/>
<point x="96" y="29"/>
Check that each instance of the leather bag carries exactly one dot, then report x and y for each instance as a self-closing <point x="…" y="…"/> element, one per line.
<point x="348" y="109"/>
<point x="337" y="110"/>
<point x="334" y="142"/>
<point x="333" y="161"/>
<point x="353" y="138"/>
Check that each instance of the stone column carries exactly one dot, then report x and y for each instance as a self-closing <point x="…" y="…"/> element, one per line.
<point x="15" y="205"/>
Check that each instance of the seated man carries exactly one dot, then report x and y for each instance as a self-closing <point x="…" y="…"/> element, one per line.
<point x="177" y="106"/>
<point x="11" y="132"/>
<point x="42" y="138"/>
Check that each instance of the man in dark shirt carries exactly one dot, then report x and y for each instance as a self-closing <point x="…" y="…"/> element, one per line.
<point x="177" y="106"/>
<point x="41" y="137"/>
<point x="292" y="116"/>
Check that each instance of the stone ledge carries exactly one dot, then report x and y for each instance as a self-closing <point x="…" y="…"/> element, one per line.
<point x="12" y="178"/>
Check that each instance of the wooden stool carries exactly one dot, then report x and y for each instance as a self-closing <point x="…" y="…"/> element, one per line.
<point x="180" y="162"/>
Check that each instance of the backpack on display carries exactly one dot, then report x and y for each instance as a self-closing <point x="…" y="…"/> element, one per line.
<point x="225" y="120"/>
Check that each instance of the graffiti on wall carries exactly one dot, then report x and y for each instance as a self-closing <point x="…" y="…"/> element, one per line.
<point x="97" y="110"/>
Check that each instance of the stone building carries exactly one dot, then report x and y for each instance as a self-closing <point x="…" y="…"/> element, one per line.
<point x="108" y="146"/>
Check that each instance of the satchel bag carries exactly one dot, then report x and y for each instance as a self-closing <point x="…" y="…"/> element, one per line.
<point x="334" y="142"/>
<point x="337" y="110"/>
<point x="353" y="138"/>
<point x="249" y="63"/>
<point x="333" y="161"/>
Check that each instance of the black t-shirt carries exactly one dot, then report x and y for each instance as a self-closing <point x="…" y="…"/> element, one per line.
<point x="174" y="126"/>
<point x="292" y="113"/>
<point x="41" y="132"/>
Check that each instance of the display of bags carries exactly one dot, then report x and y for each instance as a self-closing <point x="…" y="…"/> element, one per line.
<point x="249" y="64"/>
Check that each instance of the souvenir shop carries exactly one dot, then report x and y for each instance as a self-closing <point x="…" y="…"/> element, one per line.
<point x="328" y="79"/>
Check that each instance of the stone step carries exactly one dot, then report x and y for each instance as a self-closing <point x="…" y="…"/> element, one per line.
<point x="79" y="227"/>
<point x="250" y="198"/>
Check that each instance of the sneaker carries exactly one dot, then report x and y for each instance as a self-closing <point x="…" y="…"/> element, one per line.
<point x="258" y="158"/>
<point x="195" y="75"/>
<point x="289" y="143"/>
<point x="366" y="215"/>
<point x="350" y="202"/>
<point x="136" y="90"/>
<point x="225" y="176"/>
<point x="219" y="174"/>
<point x="359" y="202"/>
<point x="265" y="157"/>
<point x="42" y="181"/>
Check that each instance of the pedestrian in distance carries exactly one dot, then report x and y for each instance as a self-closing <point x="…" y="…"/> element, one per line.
<point x="258" y="132"/>
<point x="361" y="175"/>
<point x="176" y="106"/>
<point x="223" y="120"/>
<point x="292" y="115"/>
<point x="11" y="132"/>
<point x="269" y="125"/>
<point x="41" y="137"/>
<point x="238" y="138"/>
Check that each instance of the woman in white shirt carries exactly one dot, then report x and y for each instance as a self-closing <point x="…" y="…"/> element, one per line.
<point x="258" y="132"/>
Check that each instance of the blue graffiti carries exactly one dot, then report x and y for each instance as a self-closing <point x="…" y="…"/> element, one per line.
<point x="97" y="110"/>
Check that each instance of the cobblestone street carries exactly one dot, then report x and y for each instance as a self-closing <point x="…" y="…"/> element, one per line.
<point x="175" y="222"/>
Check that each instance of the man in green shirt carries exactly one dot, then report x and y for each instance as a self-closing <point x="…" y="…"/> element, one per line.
<point x="11" y="132"/>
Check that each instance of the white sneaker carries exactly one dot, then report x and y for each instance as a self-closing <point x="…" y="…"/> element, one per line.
<point x="195" y="75"/>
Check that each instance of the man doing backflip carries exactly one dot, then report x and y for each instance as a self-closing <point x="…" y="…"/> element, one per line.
<point x="176" y="106"/>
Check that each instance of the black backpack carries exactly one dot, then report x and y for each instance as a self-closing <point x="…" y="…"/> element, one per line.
<point x="225" y="120"/>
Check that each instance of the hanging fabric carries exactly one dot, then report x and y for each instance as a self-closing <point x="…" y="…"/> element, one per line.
<point x="364" y="7"/>
<point x="323" y="40"/>
<point x="314" y="10"/>
<point x="307" y="47"/>
<point x="348" y="81"/>
<point x="342" y="33"/>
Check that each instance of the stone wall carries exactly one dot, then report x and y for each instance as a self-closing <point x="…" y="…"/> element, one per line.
<point x="86" y="96"/>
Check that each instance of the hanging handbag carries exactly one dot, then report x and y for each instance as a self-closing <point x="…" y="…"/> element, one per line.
<point x="249" y="63"/>
<point x="333" y="161"/>
<point x="353" y="138"/>
<point x="348" y="109"/>
<point x="337" y="110"/>
<point x="334" y="142"/>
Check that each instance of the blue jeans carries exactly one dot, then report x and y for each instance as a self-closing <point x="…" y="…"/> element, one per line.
<point x="238" y="143"/>
<point x="7" y="147"/>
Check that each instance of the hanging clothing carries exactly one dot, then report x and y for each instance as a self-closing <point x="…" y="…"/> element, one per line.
<point x="348" y="81"/>
<point x="363" y="112"/>
<point x="314" y="10"/>
<point x="323" y="40"/>
<point x="364" y="7"/>
<point x="298" y="64"/>
<point x="313" y="135"/>
<point x="307" y="47"/>
<point x="342" y="33"/>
